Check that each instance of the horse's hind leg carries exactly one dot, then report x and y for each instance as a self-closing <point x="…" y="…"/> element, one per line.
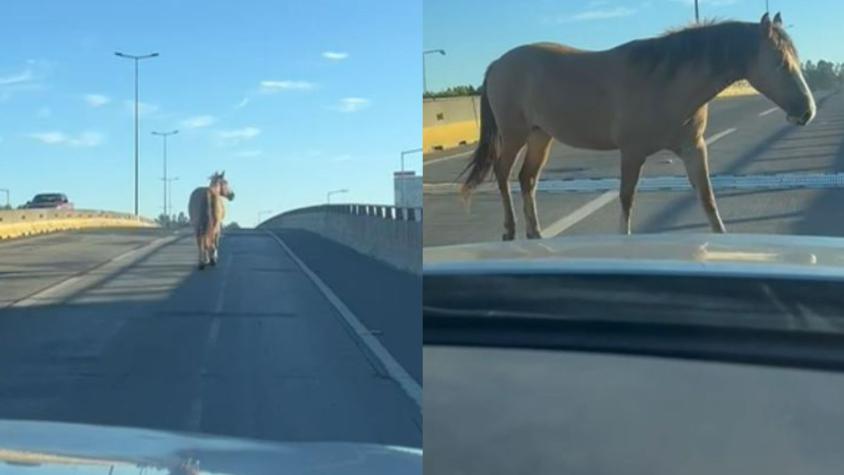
<point x="631" y="170"/>
<point x="200" y="244"/>
<point x="695" y="159"/>
<point x="510" y="147"/>
<point x="538" y="144"/>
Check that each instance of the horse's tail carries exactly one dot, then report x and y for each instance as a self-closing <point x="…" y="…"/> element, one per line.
<point x="487" y="151"/>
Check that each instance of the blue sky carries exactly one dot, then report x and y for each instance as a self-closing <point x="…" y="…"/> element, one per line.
<point x="291" y="99"/>
<point x="476" y="32"/>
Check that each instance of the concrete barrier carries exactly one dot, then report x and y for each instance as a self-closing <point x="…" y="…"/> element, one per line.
<point x="449" y="122"/>
<point x="28" y="222"/>
<point x="386" y="233"/>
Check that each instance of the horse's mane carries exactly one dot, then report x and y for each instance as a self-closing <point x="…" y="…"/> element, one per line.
<point x="720" y="45"/>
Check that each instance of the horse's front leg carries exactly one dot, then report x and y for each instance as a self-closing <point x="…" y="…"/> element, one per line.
<point x="695" y="159"/>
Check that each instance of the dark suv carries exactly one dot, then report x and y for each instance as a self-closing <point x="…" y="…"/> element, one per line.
<point x="49" y="200"/>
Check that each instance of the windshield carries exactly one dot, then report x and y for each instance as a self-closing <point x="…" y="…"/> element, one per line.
<point x="48" y="198"/>
<point x="211" y="224"/>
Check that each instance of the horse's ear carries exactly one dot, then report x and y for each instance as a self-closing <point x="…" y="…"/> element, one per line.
<point x="765" y="23"/>
<point x="223" y="174"/>
<point x="777" y="19"/>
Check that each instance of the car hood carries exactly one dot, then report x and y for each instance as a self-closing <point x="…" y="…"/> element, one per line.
<point x="755" y="254"/>
<point x="46" y="447"/>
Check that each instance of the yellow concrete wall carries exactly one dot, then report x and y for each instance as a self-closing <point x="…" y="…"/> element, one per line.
<point x="10" y="229"/>
<point x="454" y="121"/>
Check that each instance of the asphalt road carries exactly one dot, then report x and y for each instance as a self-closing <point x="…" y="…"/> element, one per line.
<point x="119" y="328"/>
<point x="750" y="141"/>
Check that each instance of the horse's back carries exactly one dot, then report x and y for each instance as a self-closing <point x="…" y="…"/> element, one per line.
<point x="563" y="90"/>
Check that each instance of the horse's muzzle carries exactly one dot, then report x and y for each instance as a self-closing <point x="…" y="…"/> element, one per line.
<point x="230" y="196"/>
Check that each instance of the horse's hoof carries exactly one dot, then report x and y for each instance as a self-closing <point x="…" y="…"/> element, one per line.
<point x="201" y="266"/>
<point x="213" y="262"/>
<point x="507" y="237"/>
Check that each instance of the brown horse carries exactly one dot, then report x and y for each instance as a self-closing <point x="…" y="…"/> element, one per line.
<point x="641" y="97"/>
<point x="206" y="212"/>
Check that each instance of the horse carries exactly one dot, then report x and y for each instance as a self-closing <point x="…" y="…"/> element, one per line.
<point x="206" y="209"/>
<point x="639" y="98"/>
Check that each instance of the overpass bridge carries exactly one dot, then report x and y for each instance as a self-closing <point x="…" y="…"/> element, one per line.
<point x="309" y="328"/>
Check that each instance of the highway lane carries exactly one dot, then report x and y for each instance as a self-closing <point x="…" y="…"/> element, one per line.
<point x="251" y="348"/>
<point x="751" y="139"/>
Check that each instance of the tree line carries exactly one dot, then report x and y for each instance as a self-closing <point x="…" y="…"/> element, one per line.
<point x="821" y="75"/>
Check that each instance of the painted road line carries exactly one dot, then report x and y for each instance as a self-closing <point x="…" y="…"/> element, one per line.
<point x="450" y="157"/>
<point x="363" y="336"/>
<point x="779" y="181"/>
<point x="194" y="418"/>
<point x="720" y="135"/>
<point x="54" y="292"/>
<point x="584" y="211"/>
<point x="766" y="112"/>
<point x="579" y="214"/>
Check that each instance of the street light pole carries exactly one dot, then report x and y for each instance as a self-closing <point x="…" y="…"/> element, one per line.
<point x="8" y="203"/>
<point x="697" y="13"/>
<point x="136" y="59"/>
<point x="424" y="74"/>
<point x="164" y="135"/>
<point x="170" y="191"/>
<point x="334" y="192"/>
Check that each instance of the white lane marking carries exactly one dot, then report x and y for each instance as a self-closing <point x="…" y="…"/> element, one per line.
<point x="711" y="140"/>
<point x="42" y="296"/>
<point x="579" y="214"/>
<point x="450" y="157"/>
<point x="766" y="112"/>
<point x="375" y="348"/>
<point x="584" y="211"/>
<point x="194" y="419"/>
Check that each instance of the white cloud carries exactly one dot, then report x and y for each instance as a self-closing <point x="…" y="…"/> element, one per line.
<point x="96" y="100"/>
<point x="144" y="108"/>
<point x="352" y="104"/>
<point x="597" y="14"/>
<point x="335" y="55"/>
<point x="19" y="78"/>
<point x="198" y="121"/>
<point x="27" y="80"/>
<point x="242" y="103"/>
<point x="85" y="139"/>
<point x="248" y="153"/>
<point x="44" y="113"/>
<point x="238" y="135"/>
<point x="271" y="87"/>
<point x="49" y="137"/>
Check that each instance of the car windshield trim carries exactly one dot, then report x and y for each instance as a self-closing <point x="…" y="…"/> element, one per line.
<point x="810" y="350"/>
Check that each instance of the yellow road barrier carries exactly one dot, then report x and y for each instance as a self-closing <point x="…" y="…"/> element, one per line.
<point x="13" y="227"/>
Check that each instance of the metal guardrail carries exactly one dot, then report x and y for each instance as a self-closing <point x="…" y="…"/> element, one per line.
<point x="392" y="213"/>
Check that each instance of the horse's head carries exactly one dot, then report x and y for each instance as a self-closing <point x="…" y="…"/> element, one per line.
<point x="776" y="72"/>
<point x="221" y="185"/>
